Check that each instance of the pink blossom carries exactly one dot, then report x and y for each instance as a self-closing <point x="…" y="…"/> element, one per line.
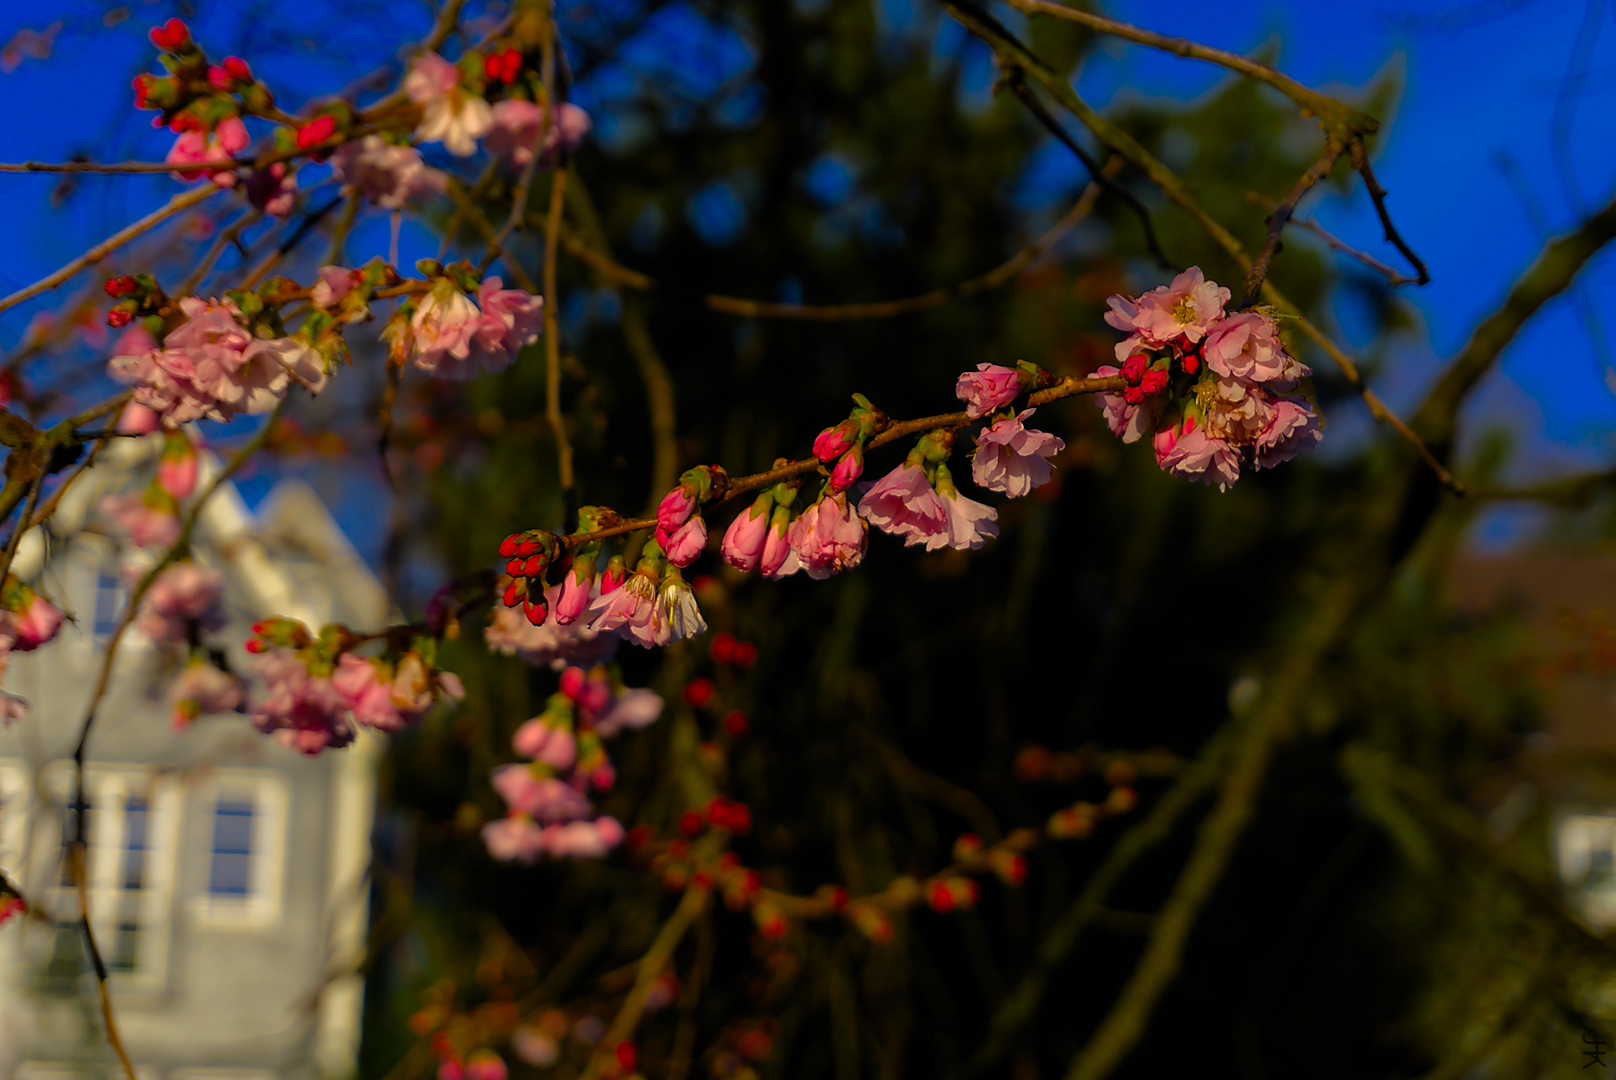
<point x="387" y="174"/>
<point x="273" y="189"/>
<point x="1246" y="346"/>
<point x="445" y="325"/>
<point x="547" y="743"/>
<point x="332" y="284"/>
<point x="629" y="710"/>
<point x="485" y="1065"/>
<point x="183" y="594"/>
<point x="146" y="524"/>
<point x="987" y="388"/>
<point x="533" y="1045"/>
<point x="176" y="470"/>
<point x="833" y="442"/>
<point x="36" y="624"/>
<point x="585" y="839"/>
<point x="511" y="319"/>
<point x="202" y="689"/>
<point x="847" y="470"/>
<point x="551" y="643"/>
<point x="629" y="610"/>
<point x="970" y="524"/>
<point x="744" y="539"/>
<point x="516" y="130"/>
<point x="449" y="113"/>
<point x="1294" y="428"/>
<point x="193" y="147"/>
<point x="904" y="503"/>
<point x="686" y="542"/>
<point x="675" y="615"/>
<point x="540" y="798"/>
<point x="514" y="838"/>
<point x="829" y="537"/>
<point x="1198" y="455"/>
<point x="1126" y="421"/>
<point x="305" y="712"/>
<point x="137" y="419"/>
<point x="367" y="690"/>
<point x="1010" y="457"/>
<point x="1185" y="309"/>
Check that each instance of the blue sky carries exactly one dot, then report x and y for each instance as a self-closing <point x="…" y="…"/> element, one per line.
<point x="1481" y="80"/>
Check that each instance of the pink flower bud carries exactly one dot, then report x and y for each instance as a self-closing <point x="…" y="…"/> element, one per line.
<point x="778" y="559"/>
<point x="574" y="598"/>
<point x="833" y="442"/>
<point x="686" y="542"/>
<point x="675" y="509"/>
<point x="616" y="573"/>
<point x="37" y="624"/>
<point x="1153" y="383"/>
<point x="847" y="470"/>
<point x="744" y="539"/>
<point x="137" y="419"/>
<point x="572" y="682"/>
<point x="176" y="471"/>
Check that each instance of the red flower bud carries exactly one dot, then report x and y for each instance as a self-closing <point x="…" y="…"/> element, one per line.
<point x="691" y="824"/>
<point x="638" y="837"/>
<point x="237" y="68"/>
<point x="722" y="650"/>
<point x="745" y="654"/>
<point x="513" y="595"/>
<point x="698" y="692"/>
<point x="1133" y="395"/>
<point x="838" y="898"/>
<point x="172" y="36"/>
<point x="1192" y="363"/>
<point x="119" y="317"/>
<point x="256" y="645"/>
<point x="535" y="612"/>
<point x="626" y="1056"/>
<point x="527" y="545"/>
<point x="1134" y="368"/>
<point x="534" y="566"/>
<point x="316" y="131"/>
<point x="940" y="898"/>
<point x="218" y="78"/>
<point x="736" y="724"/>
<point x="507" y="546"/>
<point x="1154" y="382"/>
<point x="514" y="568"/>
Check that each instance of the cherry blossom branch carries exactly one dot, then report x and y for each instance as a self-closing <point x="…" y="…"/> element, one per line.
<point x="1394" y="278"/>
<point x="1012" y="53"/>
<point x="1063" y="388"/>
<point x="880" y="309"/>
<point x="650" y="967"/>
<point x="22" y="524"/>
<point x="552" y="350"/>
<point x="1282" y="214"/>
<point x="76" y="857"/>
<point x="1377" y="194"/>
<point x="182" y="201"/>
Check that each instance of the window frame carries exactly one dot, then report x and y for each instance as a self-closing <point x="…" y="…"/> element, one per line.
<point x="262" y="906"/>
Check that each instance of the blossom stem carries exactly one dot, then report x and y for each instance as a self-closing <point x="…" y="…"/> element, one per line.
<point x="1281" y="214"/>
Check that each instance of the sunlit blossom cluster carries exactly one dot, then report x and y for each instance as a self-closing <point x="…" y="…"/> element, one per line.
<point x="1213" y="389"/>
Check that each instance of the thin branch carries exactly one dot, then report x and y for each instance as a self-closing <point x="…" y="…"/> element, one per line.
<point x="22" y="525"/>
<point x="651" y="966"/>
<point x="1096" y="174"/>
<point x="77" y="857"/>
<point x="552" y="352"/>
<point x="1066" y="387"/>
<point x="1360" y="161"/>
<point x="1394" y="277"/>
<point x="182" y="201"/>
<point x="1332" y="114"/>
<point x="1281" y="215"/>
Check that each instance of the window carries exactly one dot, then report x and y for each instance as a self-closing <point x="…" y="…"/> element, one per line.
<point x="109" y="593"/>
<point x="241" y="887"/>
<point x="230" y="872"/>
<point x="131" y="824"/>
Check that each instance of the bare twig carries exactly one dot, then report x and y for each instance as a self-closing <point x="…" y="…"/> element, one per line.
<point x="1394" y="277"/>
<point x="1282" y="214"/>
<point x="182" y="201"/>
<point x="1360" y="161"/>
<point x="76" y="855"/>
<point x="552" y="352"/>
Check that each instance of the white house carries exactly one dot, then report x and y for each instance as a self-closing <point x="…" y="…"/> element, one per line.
<point x="228" y="875"/>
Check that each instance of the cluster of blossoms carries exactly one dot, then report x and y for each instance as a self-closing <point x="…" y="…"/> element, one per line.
<point x="453" y="338"/>
<point x="1210" y="387"/>
<point x="218" y="359"/>
<point x="455" y="109"/>
<point x="316" y="688"/>
<point x="548" y="798"/>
